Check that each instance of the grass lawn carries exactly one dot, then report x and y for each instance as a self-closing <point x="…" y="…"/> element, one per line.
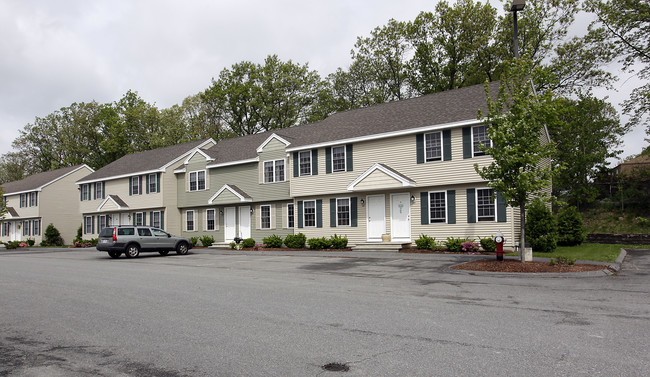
<point x="589" y="251"/>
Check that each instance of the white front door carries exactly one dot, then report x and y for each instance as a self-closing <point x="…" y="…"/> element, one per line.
<point x="124" y="219"/>
<point x="229" y="224"/>
<point x="245" y="222"/>
<point x="376" y="217"/>
<point x="400" y="217"/>
<point x="14" y="232"/>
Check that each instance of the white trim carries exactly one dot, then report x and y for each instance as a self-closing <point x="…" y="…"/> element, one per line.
<point x="112" y="200"/>
<point x="284" y="160"/>
<point x="180" y="170"/>
<point x="388" y="134"/>
<point x="172" y="162"/>
<point x="106" y="179"/>
<point x="214" y="211"/>
<point x="494" y="203"/>
<point x="311" y="163"/>
<point x="227" y="187"/>
<point x="368" y="219"/>
<point x="205" y="180"/>
<point x="442" y="146"/>
<point x="273" y="136"/>
<point x="304" y="213"/>
<point x="345" y="158"/>
<point x="187" y="160"/>
<point x="270" y="217"/>
<point x="472" y="138"/>
<point x="231" y="163"/>
<point x="336" y="212"/>
<point x="378" y="166"/>
<point x="193" y="220"/>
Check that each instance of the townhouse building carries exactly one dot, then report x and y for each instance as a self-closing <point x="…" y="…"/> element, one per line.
<point x="42" y="199"/>
<point x="137" y="189"/>
<point x="385" y="173"/>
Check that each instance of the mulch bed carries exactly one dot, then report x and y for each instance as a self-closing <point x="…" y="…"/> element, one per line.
<point x="508" y="265"/>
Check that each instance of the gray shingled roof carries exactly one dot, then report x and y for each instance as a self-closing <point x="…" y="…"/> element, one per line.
<point x="142" y="161"/>
<point x="12" y="212"/>
<point x="429" y="110"/>
<point x="36" y="181"/>
<point x="119" y="201"/>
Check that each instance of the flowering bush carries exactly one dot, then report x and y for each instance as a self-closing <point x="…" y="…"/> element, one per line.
<point x="22" y="244"/>
<point x="470" y="247"/>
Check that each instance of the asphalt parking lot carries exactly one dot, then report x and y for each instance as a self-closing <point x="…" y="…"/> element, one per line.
<point x="71" y="312"/>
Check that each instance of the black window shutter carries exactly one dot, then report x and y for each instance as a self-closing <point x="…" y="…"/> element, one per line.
<point x="162" y="219"/>
<point x="140" y="185"/>
<point x="501" y="208"/>
<point x="446" y="144"/>
<point x="314" y="162"/>
<point x="158" y="182"/>
<point x="144" y="218"/>
<point x="467" y="142"/>
<point x="151" y="218"/>
<point x="319" y="213"/>
<point x="451" y="206"/>
<point x="348" y="157"/>
<point x="133" y="214"/>
<point x="131" y="186"/>
<point x="295" y="164"/>
<point x="81" y="195"/>
<point x="94" y="187"/>
<point x="353" y="211"/>
<point x="419" y="148"/>
<point x="93" y="225"/>
<point x="328" y="160"/>
<point x="333" y="213"/>
<point x="471" y="205"/>
<point x="103" y="190"/>
<point x="147" y="183"/>
<point x="424" y="208"/>
<point x="300" y="214"/>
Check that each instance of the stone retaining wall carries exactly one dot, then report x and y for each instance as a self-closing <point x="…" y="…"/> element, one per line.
<point x="625" y="239"/>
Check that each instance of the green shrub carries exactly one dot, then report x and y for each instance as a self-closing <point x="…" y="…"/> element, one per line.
<point x="541" y="228"/>
<point x="570" y="228"/>
<point x="12" y="244"/>
<point x="273" y="241"/>
<point x="319" y="243"/>
<point x="248" y="242"/>
<point x="94" y="241"/>
<point x="52" y="237"/>
<point x="295" y="241"/>
<point x="233" y="245"/>
<point x="207" y="241"/>
<point x="488" y="244"/>
<point x="79" y="237"/>
<point x="642" y="221"/>
<point x="194" y="240"/>
<point x="338" y="242"/>
<point x="31" y="241"/>
<point x="455" y="245"/>
<point x="424" y="242"/>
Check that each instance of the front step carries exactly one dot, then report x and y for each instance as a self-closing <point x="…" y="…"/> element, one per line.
<point x="381" y="246"/>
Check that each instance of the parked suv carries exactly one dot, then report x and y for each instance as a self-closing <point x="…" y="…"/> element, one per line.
<point x="131" y="240"/>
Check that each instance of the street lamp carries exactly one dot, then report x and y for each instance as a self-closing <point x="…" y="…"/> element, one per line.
<point x="517" y="5"/>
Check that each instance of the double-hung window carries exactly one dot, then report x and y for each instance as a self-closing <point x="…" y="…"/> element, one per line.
<point x="139" y="219"/>
<point x="88" y="224"/>
<point x="291" y="220"/>
<point x="189" y="221"/>
<point x="99" y="190"/>
<point x="85" y="191"/>
<point x="433" y="146"/>
<point x="197" y="180"/>
<point x="338" y="158"/>
<point x="155" y="219"/>
<point x="305" y="163"/>
<point x="485" y="205"/>
<point x="33" y="199"/>
<point x="153" y="183"/>
<point x="437" y="207"/>
<point x="480" y="137"/>
<point x="23" y="200"/>
<point x="210" y="222"/>
<point x="36" y="226"/>
<point x="26" y="228"/>
<point x="101" y="222"/>
<point x="5" y="229"/>
<point x="265" y="217"/>
<point x="274" y="171"/>
<point x="343" y="212"/>
<point x="309" y="215"/>
<point x="135" y="186"/>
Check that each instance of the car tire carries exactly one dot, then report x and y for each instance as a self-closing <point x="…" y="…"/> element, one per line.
<point x="114" y="254"/>
<point x="182" y="248"/>
<point x="132" y="251"/>
<point x="163" y="252"/>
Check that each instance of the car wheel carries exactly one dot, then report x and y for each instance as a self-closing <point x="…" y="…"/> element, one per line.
<point x="182" y="248"/>
<point x="114" y="254"/>
<point x="164" y="252"/>
<point x="132" y="251"/>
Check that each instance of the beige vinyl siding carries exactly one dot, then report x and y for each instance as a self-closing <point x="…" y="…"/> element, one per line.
<point x="59" y="205"/>
<point x="399" y="153"/>
<point x="377" y="179"/>
<point x="259" y="234"/>
<point x="169" y="200"/>
<point x="27" y="211"/>
<point x="274" y="150"/>
<point x="109" y="206"/>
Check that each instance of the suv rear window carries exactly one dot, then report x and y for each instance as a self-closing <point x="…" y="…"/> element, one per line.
<point x="106" y="232"/>
<point x="125" y="231"/>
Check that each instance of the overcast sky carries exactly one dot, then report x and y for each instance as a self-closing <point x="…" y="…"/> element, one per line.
<point x="55" y="53"/>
